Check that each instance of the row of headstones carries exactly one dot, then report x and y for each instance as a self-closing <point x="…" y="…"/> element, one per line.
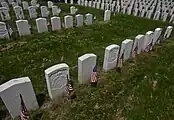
<point x="58" y="75"/>
<point x="141" y="11"/>
<point x="24" y="28"/>
<point x="4" y="12"/>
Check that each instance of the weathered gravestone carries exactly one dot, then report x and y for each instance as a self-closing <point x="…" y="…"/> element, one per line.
<point x="56" y="23"/>
<point x="23" y="27"/>
<point x="86" y="63"/>
<point x="157" y="15"/>
<point x="156" y="35"/>
<point x="44" y="11"/>
<point x="50" y="4"/>
<point x="126" y="48"/>
<point x="107" y="15"/>
<point x="148" y="41"/>
<point x="168" y="32"/>
<point x="89" y="18"/>
<point x="111" y="57"/>
<point x="4" y="12"/>
<point x="68" y="20"/>
<point x="19" y="12"/>
<point x="4" y="4"/>
<point x="41" y="25"/>
<point x="25" y="5"/>
<point x="55" y="10"/>
<point x="32" y="11"/>
<point x="10" y="95"/>
<point x="3" y="31"/>
<point x="56" y="79"/>
<point x="79" y="20"/>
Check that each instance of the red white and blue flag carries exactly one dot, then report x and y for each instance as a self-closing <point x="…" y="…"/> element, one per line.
<point x="94" y="75"/>
<point x="24" y="113"/>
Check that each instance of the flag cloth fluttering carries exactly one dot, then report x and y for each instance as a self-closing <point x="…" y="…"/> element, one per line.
<point x="93" y="77"/>
<point x="23" y="113"/>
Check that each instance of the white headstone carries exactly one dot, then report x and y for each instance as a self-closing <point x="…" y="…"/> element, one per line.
<point x="44" y="11"/>
<point x="143" y="12"/>
<point x="140" y="40"/>
<point x="89" y="18"/>
<point x="19" y="2"/>
<point x="157" y="15"/>
<point x="19" y="12"/>
<point x="10" y="1"/>
<point x="172" y="19"/>
<point x="10" y="95"/>
<point x="32" y="11"/>
<point x="86" y="3"/>
<point x="73" y="10"/>
<point x="23" y="27"/>
<point x="3" y="31"/>
<point x="55" y="10"/>
<point x="102" y="6"/>
<point x="68" y="20"/>
<point x="165" y="15"/>
<point x="86" y="63"/>
<point x="56" y="79"/>
<point x="25" y="5"/>
<point x="50" y="4"/>
<point x="107" y="15"/>
<point x="94" y="4"/>
<point x="56" y="23"/>
<point x="148" y="41"/>
<point x="111" y="56"/>
<point x="90" y="4"/>
<point x="41" y="25"/>
<point x="14" y="4"/>
<point x="33" y="3"/>
<point x="126" y="48"/>
<point x="71" y="1"/>
<point x="168" y="32"/>
<point x="79" y="20"/>
<point x="156" y="36"/>
<point x="98" y="5"/>
<point x="4" y="12"/>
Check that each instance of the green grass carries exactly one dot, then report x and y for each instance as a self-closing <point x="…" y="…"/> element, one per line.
<point x="125" y="96"/>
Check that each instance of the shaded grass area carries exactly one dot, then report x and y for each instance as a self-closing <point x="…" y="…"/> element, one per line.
<point x="144" y="91"/>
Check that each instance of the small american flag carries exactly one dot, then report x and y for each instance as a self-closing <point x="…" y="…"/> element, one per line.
<point x="120" y="61"/>
<point x="68" y="88"/>
<point x="94" y="75"/>
<point x="24" y="113"/>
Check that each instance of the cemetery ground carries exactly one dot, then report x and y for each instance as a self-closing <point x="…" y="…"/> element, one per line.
<point x="144" y="90"/>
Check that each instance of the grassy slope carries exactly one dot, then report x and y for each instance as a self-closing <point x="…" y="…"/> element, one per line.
<point x="144" y="91"/>
<point x="31" y="55"/>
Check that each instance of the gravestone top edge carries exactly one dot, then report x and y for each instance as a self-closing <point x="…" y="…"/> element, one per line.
<point x="85" y="56"/>
<point x="55" y="67"/>
<point x="13" y="82"/>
